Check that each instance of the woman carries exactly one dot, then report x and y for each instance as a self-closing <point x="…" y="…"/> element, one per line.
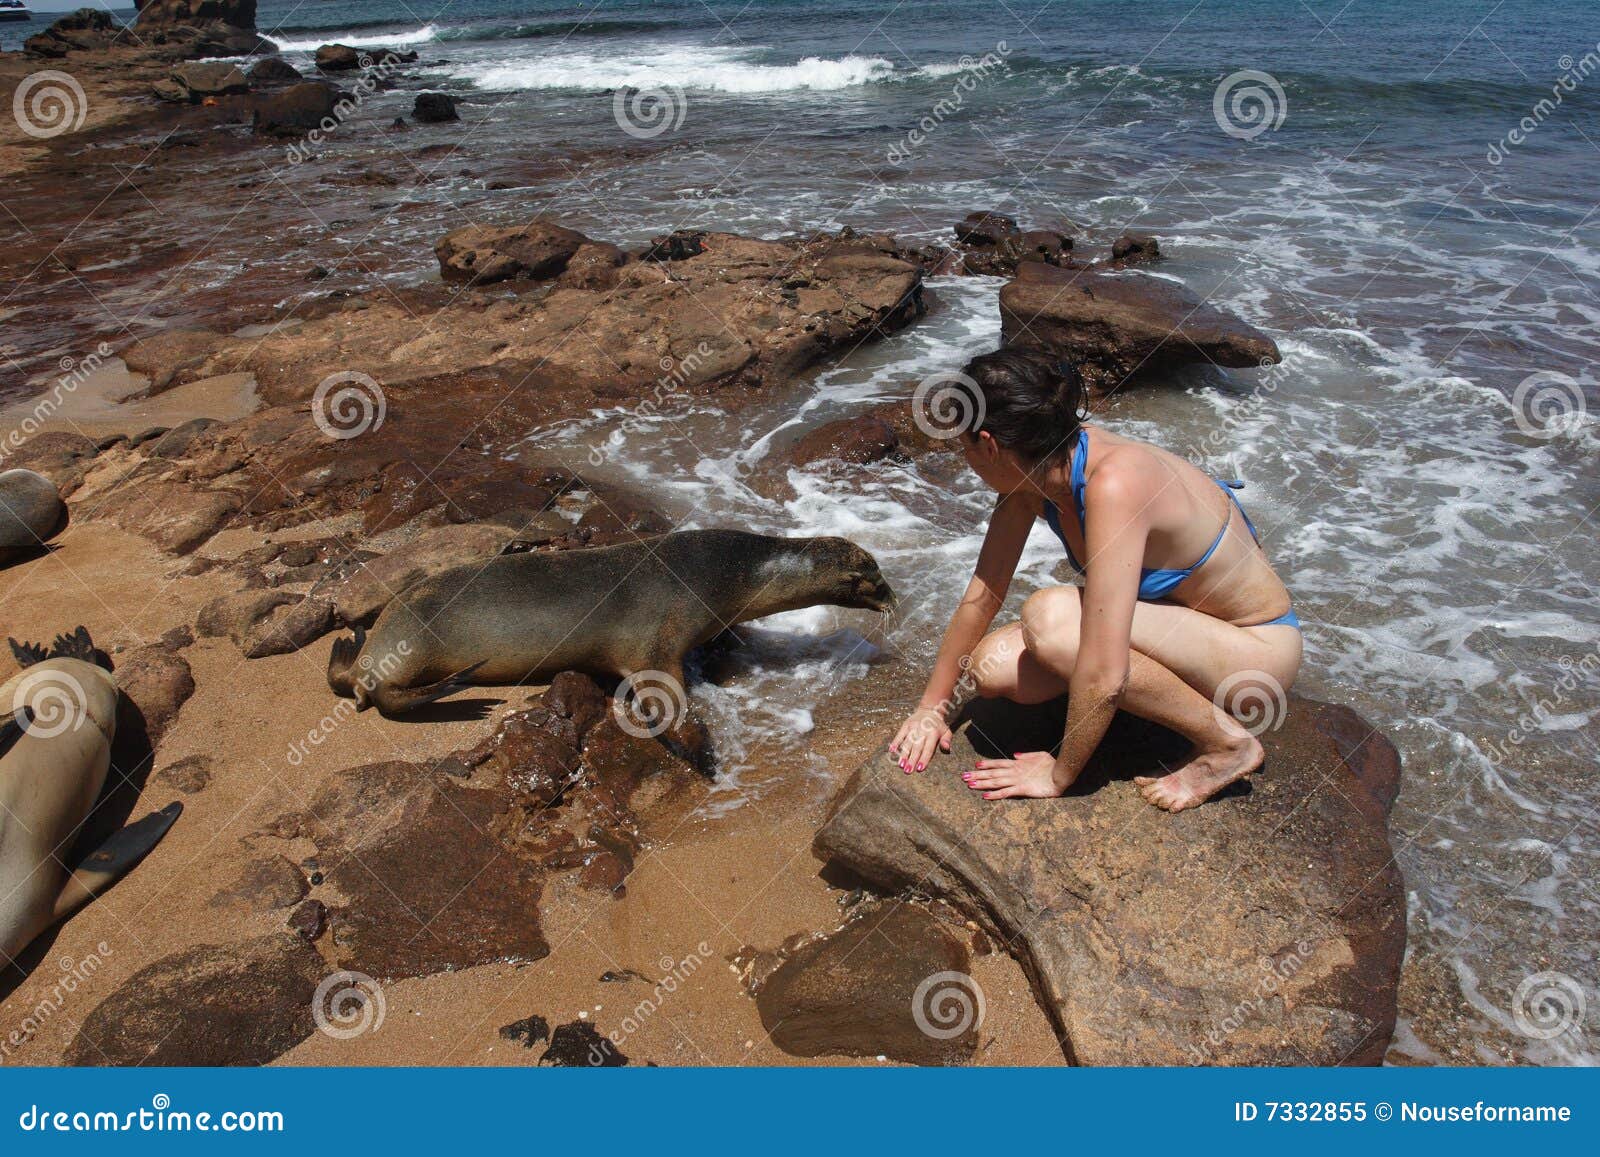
<point x="1179" y="607"/>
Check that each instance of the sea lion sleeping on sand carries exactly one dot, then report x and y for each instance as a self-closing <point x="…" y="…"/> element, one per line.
<point x="60" y="717"/>
<point x="31" y="513"/>
<point x="611" y="611"/>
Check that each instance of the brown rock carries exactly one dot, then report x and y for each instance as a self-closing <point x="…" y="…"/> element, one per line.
<point x="594" y="266"/>
<point x="176" y="516"/>
<point x="235" y="616"/>
<point x="272" y="70"/>
<point x="85" y="30"/>
<point x="310" y="920"/>
<point x="1115" y="326"/>
<point x="1134" y="248"/>
<point x="426" y="888"/>
<point x="575" y="696"/>
<point x="189" y="775"/>
<point x="156" y="680"/>
<point x="269" y="883"/>
<point x="337" y="58"/>
<point x="209" y="78"/>
<point x="288" y="628"/>
<point x="481" y="254"/>
<point x="892" y="982"/>
<point x="1265" y="927"/>
<point x="856" y="441"/>
<point x="296" y="110"/>
<point x="217" y="1004"/>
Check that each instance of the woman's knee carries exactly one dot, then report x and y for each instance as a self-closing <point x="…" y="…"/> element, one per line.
<point x="992" y="668"/>
<point x="1050" y="620"/>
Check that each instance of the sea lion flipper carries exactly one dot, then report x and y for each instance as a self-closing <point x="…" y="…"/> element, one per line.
<point x="13" y="729"/>
<point x="114" y="859"/>
<point x="27" y="654"/>
<point x="392" y="701"/>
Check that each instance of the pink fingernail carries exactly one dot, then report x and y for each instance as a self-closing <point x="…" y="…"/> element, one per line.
<point x="922" y="766"/>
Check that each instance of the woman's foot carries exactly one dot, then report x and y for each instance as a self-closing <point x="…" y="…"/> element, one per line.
<point x="1204" y="775"/>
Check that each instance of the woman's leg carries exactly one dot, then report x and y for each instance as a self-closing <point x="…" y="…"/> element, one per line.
<point x="1187" y="672"/>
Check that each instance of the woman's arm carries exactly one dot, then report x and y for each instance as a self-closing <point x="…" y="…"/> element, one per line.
<point x="928" y="726"/>
<point x="1116" y="501"/>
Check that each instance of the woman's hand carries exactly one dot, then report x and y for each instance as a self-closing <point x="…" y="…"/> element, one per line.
<point x="922" y="732"/>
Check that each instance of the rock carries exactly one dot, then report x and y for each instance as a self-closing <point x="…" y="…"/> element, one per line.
<point x="178" y="441"/>
<point x="580" y="1045"/>
<point x="189" y="775"/>
<point x="61" y="457"/>
<point x="359" y="598"/>
<point x="433" y="108"/>
<point x="1134" y="248"/>
<point x="296" y="110"/>
<point x="210" y="78"/>
<point x="482" y="254"/>
<point x="593" y="267"/>
<point x="1114" y="326"/>
<point x="196" y="13"/>
<point x="1265" y="927"/>
<point x="273" y="70"/>
<point x="987" y="229"/>
<point x="235" y="615"/>
<point x="337" y="58"/>
<point x="31" y="513"/>
<point x="213" y="1005"/>
<point x="893" y="982"/>
<point x="176" y="516"/>
<point x="288" y="628"/>
<point x="84" y="30"/>
<point x="310" y="920"/>
<point x="856" y="441"/>
<point x="425" y="886"/>
<point x="157" y="681"/>
<point x="527" y="1032"/>
<point x="1045" y="245"/>
<point x="170" y="91"/>
<point x="575" y="696"/>
<point x="271" y="883"/>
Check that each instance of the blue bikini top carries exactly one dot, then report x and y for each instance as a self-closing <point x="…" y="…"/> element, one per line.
<point x="1153" y="584"/>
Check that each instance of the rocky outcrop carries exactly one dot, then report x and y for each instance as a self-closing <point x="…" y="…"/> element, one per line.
<point x="200" y="80"/>
<point x="295" y="110"/>
<point x="272" y="70"/>
<point x="81" y="31"/>
<point x="203" y="28"/>
<point x="343" y="58"/>
<point x="1265" y="927"/>
<point x="993" y="244"/>
<point x="483" y="254"/>
<point x="1117" y="326"/>
<point x="853" y="441"/>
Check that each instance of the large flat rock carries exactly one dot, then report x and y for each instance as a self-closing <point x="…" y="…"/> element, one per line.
<point x="1265" y="927"/>
<point x="1117" y="325"/>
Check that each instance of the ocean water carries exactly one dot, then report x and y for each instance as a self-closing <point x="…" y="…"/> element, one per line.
<point x="1401" y="192"/>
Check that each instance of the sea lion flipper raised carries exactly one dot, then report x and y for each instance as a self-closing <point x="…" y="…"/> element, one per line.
<point x="114" y="859"/>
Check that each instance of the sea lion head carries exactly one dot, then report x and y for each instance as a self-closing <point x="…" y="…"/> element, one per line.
<point x="851" y="574"/>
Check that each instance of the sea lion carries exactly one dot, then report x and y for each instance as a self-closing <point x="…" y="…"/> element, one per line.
<point x="611" y="611"/>
<point x="60" y="717"/>
<point x="31" y="513"/>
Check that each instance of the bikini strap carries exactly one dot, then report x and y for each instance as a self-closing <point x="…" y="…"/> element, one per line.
<point x="1229" y="485"/>
<point x="1080" y="460"/>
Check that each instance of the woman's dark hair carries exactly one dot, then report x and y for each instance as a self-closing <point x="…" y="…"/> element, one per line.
<point x="1033" y="404"/>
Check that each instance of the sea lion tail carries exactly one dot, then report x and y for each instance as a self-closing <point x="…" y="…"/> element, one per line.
<point x="391" y="700"/>
<point x="340" y="661"/>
